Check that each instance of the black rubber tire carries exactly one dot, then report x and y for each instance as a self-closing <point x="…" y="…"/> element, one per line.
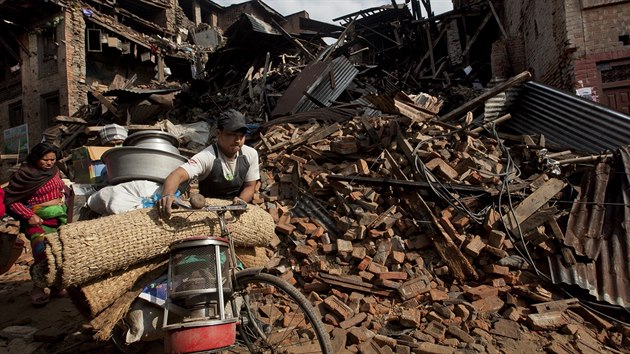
<point x="287" y="293"/>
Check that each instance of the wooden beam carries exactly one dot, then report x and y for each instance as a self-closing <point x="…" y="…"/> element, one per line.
<point x="532" y="203"/>
<point x="426" y="55"/>
<point x="496" y="18"/>
<point x="106" y="102"/>
<point x="427" y="28"/>
<point x="477" y="32"/>
<point x="293" y="40"/>
<point x="487" y="124"/>
<point x="463" y="109"/>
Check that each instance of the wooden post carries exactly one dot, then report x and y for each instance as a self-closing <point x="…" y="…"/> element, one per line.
<point x="427" y="28"/>
<point x="160" y="63"/>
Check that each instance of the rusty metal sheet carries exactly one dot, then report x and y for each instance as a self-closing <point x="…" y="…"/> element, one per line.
<point x="599" y="231"/>
<point x="323" y="81"/>
<point x="568" y="120"/>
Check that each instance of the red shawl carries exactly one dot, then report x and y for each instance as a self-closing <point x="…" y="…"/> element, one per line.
<point x="26" y="181"/>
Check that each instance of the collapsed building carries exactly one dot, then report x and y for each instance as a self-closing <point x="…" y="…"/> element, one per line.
<point x="391" y="157"/>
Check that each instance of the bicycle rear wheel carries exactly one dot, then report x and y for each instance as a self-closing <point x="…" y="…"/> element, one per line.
<point x="277" y="318"/>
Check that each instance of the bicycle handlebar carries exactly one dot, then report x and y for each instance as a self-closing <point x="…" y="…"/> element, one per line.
<point x="241" y="206"/>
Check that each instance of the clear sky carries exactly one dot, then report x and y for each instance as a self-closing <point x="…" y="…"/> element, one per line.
<point x="326" y="10"/>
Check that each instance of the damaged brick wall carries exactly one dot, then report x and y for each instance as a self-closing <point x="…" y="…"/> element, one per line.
<point x="542" y="25"/>
<point x="44" y="91"/>
<point x="565" y="40"/>
<point x="75" y="54"/>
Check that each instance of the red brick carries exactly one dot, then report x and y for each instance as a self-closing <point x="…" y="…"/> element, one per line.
<point x="480" y="292"/>
<point x="436" y="330"/>
<point x="286" y="229"/>
<point x="398" y="257"/>
<point x="488" y="304"/>
<point x="303" y="250"/>
<point x="437" y="295"/>
<point x="496" y="269"/>
<point x="338" y="308"/>
<point x="393" y="276"/>
<point x="430" y="348"/>
<point x="414" y="287"/>
<point x="474" y="247"/>
<point x="354" y="321"/>
<point x="306" y="228"/>
<point x="364" y="263"/>
<point x="377" y="268"/>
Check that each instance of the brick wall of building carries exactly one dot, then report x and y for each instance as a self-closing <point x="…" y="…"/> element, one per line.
<point x="75" y="62"/>
<point x="594" y="38"/>
<point x="68" y="82"/>
<point x="542" y="26"/>
<point x="35" y="87"/>
<point x="603" y="26"/>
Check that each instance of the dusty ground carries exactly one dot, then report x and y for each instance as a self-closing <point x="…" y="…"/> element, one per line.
<point x="54" y="328"/>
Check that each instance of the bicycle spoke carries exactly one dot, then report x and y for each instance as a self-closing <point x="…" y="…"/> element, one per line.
<point x="287" y="322"/>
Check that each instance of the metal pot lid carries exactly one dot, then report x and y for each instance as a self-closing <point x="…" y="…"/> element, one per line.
<point x="152" y="136"/>
<point x="124" y="150"/>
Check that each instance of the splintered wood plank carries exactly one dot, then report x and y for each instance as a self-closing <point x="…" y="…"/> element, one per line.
<point x="532" y="203"/>
<point x="323" y="133"/>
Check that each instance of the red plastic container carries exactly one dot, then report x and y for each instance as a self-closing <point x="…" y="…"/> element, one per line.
<point x="200" y="338"/>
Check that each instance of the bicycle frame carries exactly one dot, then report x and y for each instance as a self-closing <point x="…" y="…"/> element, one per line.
<point x="233" y="271"/>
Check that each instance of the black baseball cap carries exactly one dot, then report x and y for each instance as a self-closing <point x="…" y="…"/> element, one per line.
<point x="232" y="120"/>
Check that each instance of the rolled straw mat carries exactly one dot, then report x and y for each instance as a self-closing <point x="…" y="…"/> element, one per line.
<point x="88" y="249"/>
<point x="104" y="322"/>
<point x="252" y="257"/>
<point x="98" y="294"/>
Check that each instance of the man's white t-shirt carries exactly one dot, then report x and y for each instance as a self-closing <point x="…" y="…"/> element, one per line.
<point x="201" y="164"/>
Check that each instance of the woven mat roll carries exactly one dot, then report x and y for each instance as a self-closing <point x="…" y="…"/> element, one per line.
<point x="252" y="257"/>
<point x="96" y="295"/>
<point x="104" y="323"/>
<point x="95" y="247"/>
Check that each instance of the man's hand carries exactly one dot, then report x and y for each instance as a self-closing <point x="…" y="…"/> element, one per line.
<point x="35" y="220"/>
<point x="165" y="205"/>
<point x="238" y="201"/>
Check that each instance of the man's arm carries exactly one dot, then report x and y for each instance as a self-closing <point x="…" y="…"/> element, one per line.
<point x="247" y="193"/>
<point x="172" y="182"/>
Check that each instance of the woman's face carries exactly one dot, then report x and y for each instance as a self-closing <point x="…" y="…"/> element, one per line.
<point x="47" y="161"/>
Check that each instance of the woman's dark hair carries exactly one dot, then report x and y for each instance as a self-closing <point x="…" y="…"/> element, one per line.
<point x="41" y="149"/>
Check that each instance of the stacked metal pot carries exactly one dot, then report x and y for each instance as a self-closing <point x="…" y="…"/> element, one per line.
<point x="146" y="155"/>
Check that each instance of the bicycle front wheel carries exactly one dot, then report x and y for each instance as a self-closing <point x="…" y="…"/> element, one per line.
<point x="277" y="318"/>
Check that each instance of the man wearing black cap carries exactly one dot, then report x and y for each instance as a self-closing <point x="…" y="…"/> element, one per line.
<point x="227" y="169"/>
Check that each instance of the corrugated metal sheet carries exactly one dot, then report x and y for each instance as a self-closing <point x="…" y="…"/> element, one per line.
<point x="309" y="206"/>
<point x="598" y="231"/>
<point x="315" y="80"/>
<point x="323" y="90"/>
<point x="261" y="26"/>
<point x="568" y="120"/>
<point x="495" y="106"/>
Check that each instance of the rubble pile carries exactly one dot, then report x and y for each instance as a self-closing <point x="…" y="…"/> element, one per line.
<point x="402" y="233"/>
<point x="412" y="219"/>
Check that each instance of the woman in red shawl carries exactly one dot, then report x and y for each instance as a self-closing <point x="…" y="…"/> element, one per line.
<point x="35" y="197"/>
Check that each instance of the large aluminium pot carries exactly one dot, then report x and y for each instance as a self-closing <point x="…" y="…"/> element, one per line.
<point x="129" y="163"/>
<point x="153" y="139"/>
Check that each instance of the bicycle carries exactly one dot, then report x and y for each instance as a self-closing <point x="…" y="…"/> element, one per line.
<point x="266" y="314"/>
